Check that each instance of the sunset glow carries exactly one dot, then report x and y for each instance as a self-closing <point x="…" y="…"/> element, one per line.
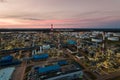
<point x="61" y="13"/>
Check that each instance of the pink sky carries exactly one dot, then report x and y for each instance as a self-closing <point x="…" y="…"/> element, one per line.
<point x="61" y="13"/>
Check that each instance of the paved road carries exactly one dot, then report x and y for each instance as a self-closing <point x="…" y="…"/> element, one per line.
<point x="19" y="72"/>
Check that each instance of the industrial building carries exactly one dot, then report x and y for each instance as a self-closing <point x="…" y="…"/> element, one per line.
<point x="62" y="62"/>
<point x="43" y="70"/>
<point x="40" y="56"/>
<point x="113" y="38"/>
<point x="57" y="71"/>
<point x="71" y="42"/>
<point x="6" y="73"/>
<point x="8" y="60"/>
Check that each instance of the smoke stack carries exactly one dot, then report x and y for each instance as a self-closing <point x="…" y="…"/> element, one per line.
<point x="51" y="27"/>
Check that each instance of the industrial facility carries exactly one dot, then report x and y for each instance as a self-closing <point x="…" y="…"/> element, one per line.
<point x="56" y="71"/>
<point x="59" y="55"/>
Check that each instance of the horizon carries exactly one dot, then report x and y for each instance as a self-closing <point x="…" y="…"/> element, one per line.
<point x="60" y="29"/>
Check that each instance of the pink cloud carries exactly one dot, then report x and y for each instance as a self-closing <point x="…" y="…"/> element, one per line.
<point x="58" y="23"/>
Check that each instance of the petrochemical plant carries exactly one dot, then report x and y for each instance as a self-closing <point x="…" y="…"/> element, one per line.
<point x="59" y="55"/>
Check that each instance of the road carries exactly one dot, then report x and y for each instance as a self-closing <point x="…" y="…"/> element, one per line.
<point x="19" y="72"/>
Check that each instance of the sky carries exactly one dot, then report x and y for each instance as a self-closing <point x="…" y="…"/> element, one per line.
<point x="60" y="13"/>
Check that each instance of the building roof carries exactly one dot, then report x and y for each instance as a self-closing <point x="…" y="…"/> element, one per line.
<point x="71" y="42"/>
<point x="49" y="69"/>
<point x="6" y="58"/>
<point x="40" y="56"/>
<point x="13" y="62"/>
<point x="62" y="62"/>
<point x="5" y="74"/>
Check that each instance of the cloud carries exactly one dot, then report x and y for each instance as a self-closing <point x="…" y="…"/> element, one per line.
<point x="42" y="13"/>
<point x="3" y="1"/>
<point x="31" y="19"/>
